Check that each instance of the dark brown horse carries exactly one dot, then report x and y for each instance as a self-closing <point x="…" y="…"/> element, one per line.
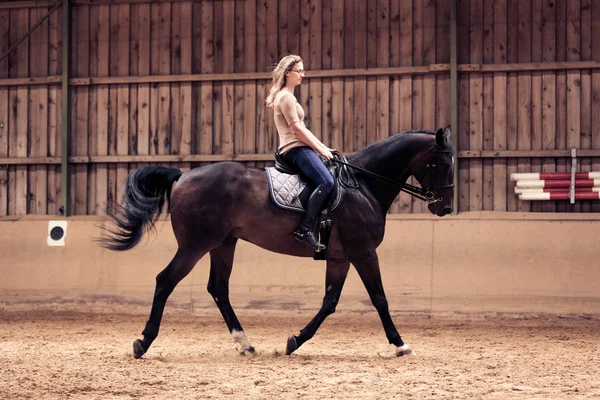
<point x="214" y="206"/>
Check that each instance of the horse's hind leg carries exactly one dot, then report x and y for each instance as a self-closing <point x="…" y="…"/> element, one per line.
<point x="335" y="276"/>
<point x="221" y="264"/>
<point x="181" y="265"/>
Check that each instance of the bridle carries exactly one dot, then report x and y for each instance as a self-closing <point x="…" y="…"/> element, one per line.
<point x="421" y="193"/>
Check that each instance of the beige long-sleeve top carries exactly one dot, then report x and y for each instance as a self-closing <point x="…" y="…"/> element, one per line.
<point x="287" y="111"/>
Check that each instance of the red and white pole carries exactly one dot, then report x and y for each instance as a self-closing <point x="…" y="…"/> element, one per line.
<point x="560" y="196"/>
<point x="553" y="175"/>
<point x="558" y="183"/>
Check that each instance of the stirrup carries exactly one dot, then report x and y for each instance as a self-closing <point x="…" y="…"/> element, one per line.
<point x="308" y="238"/>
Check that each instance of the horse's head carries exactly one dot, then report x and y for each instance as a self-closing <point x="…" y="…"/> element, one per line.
<point x="436" y="176"/>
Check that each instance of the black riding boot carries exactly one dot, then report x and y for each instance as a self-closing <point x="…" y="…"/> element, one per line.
<point x="305" y="232"/>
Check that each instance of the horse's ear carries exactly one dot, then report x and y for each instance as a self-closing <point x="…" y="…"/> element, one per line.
<point x="442" y="136"/>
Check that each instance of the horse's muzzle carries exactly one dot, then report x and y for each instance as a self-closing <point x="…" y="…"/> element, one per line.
<point x="439" y="210"/>
<point x="445" y="211"/>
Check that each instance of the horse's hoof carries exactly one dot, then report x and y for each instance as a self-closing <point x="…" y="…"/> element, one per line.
<point x="138" y="349"/>
<point x="250" y="351"/>
<point x="405" y="350"/>
<point x="292" y="345"/>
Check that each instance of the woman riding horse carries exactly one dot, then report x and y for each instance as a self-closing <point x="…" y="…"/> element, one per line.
<point x="298" y="145"/>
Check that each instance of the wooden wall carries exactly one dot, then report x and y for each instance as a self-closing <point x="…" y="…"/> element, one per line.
<point x="182" y="83"/>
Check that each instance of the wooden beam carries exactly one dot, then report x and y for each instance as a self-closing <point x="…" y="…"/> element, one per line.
<point x="347" y="73"/>
<point x="527" y="153"/>
<point x="454" y="95"/>
<point x="467" y="154"/>
<point x="46" y="3"/>
<point x="46" y="80"/>
<point x="27" y="4"/>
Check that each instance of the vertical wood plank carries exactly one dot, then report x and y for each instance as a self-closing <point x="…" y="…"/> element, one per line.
<point x="561" y="91"/>
<point x="315" y="63"/>
<point x="360" y="84"/>
<point x="123" y="107"/>
<point x="488" y="104"/>
<point x="134" y="46"/>
<point x="238" y="87"/>
<point x="464" y="17"/>
<point x="429" y="81"/>
<point x="326" y="62"/>
<point x="4" y="110"/>
<point x="476" y="107"/>
<point x="155" y="44"/>
<point x="102" y="118"/>
<point x="81" y="114"/>
<point x="405" y="88"/>
<point x="383" y="59"/>
<point x="500" y="180"/>
<point x="281" y="10"/>
<point x="371" y="81"/>
<point x="348" y="96"/>
<point x="270" y="136"/>
<point x="586" y="92"/>
<point x="92" y="183"/>
<point x="53" y="113"/>
<point x="175" y="68"/>
<point x="17" y="67"/>
<point x="417" y="96"/>
<point x="206" y="88"/>
<point x="250" y="105"/>
<point x="337" y="83"/>
<point x="143" y="67"/>
<point x="442" y="56"/>
<point x="113" y="103"/>
<point x="512" y="56"/>
<point x="185" y="91"/>
<point x="33" y="120"/>
<point x="21" y="115"/>
<point x="262" y="87"/>
<point x="303" y="49"/>
<point x="293" y="17"/>
<point x="227" y="67"/>
<point x="164" y="89"/>
<point x="42" y="105"/>
<point x="524" y="91"/>
<point x="134" y="58"/>
<point x="536" y="91"/>
<point x="429" y="45"/>
<point x="573" y="84"/>
<point x="395" y="100"/>
<point x="548" y="93"/>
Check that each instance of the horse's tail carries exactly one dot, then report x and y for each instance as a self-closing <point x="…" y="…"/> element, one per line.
<point x="145" y="192"/>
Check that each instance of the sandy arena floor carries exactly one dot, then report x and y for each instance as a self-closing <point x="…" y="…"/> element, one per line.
<point x="80" y="355"/>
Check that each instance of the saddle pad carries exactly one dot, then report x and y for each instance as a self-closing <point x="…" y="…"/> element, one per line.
<point x="285" y="190"/>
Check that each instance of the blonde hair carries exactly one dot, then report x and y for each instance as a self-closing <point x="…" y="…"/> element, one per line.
<point x="278" y="74"/>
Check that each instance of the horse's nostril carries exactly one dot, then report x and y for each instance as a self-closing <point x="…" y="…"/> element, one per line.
<point x="447" y="210"/>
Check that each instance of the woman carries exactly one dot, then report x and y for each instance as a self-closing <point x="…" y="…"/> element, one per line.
<point x="298" y="145"/>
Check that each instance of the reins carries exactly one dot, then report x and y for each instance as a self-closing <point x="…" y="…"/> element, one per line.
<point x="417" y="192"/>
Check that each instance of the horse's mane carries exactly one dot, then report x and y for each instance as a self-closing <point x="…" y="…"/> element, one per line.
<point x="392" y="139"/>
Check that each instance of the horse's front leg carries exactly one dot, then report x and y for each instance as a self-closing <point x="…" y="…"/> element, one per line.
<point x="367" y="266"/>
<point x="335" y="276"/>
<point x="221" y="264"/>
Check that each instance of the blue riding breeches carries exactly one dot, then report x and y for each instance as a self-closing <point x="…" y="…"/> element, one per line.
<point x="309" y="163"/>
